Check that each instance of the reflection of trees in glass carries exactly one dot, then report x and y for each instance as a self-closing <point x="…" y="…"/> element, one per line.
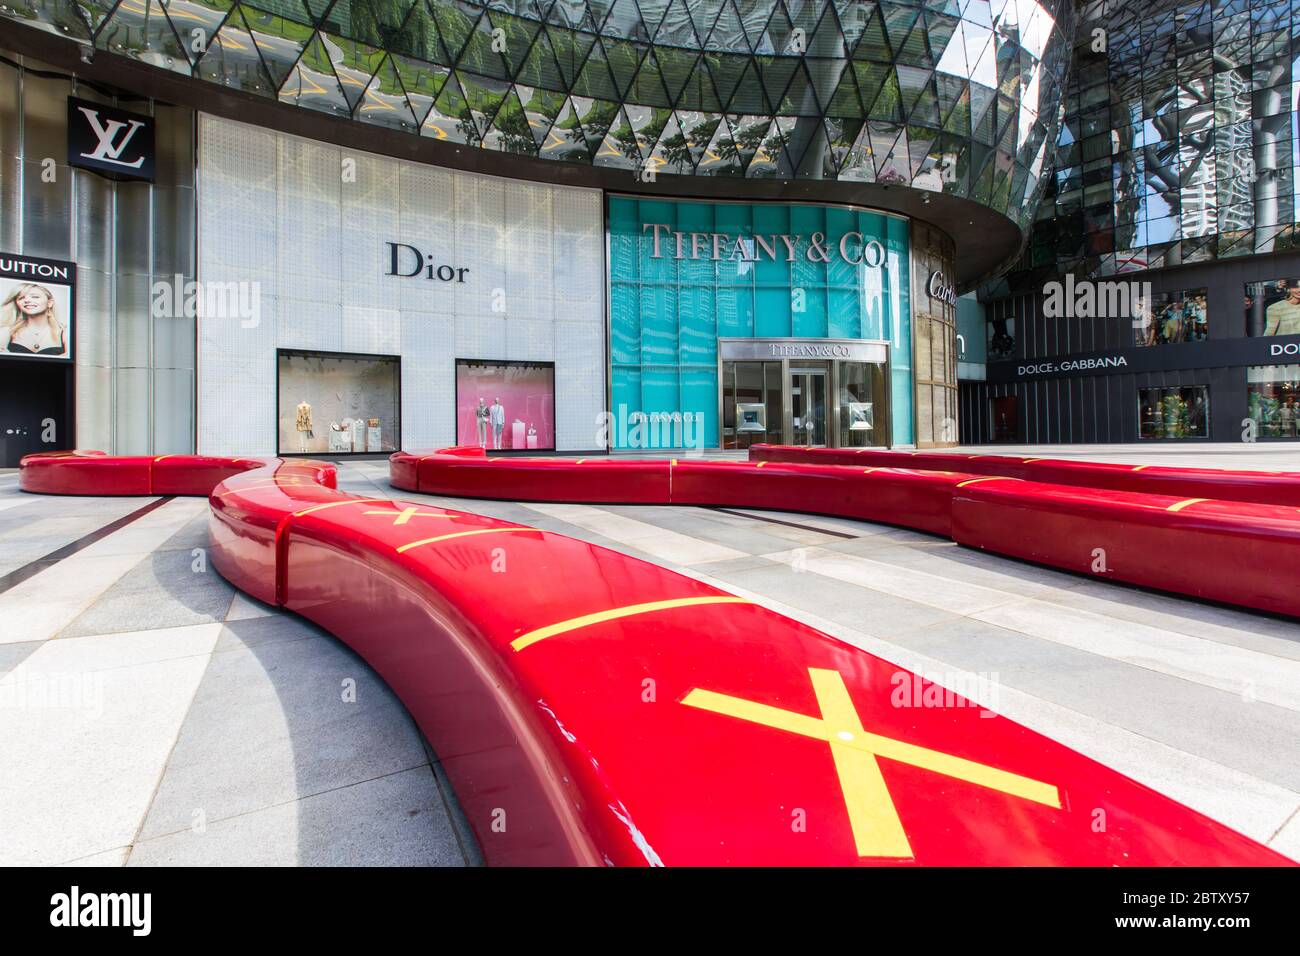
<point x="626" y="140"/>
<point x="516" y="132"/>
<point x="775" y="144"/>
<point x="676" y="151"/>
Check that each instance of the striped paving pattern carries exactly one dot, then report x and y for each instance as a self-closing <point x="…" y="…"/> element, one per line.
<point x="153" y="715"/>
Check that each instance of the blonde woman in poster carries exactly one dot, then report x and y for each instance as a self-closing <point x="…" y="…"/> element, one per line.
<point x="29" y="324"/>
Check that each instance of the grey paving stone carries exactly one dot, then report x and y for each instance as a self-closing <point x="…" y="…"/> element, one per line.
<point x="1200" y="720"/>
<point x="719" y="569"/>
<point x="394" y="820"/>
<point x="65" y="506"/>
<point x="280" y="627"/>
<point x="161" y="591"/>
<point x="887" y="539"/>
<point x="193" y="535"/>
<point x="946" y="559"/>
<point x="877" y="614"/>
<point x="742" y="534"/>
<point x="1271" y="635"/>
<point x="11" y="655"/>
<point x="269" y="725"/>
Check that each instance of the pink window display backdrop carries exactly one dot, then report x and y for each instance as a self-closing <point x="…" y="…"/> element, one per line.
<point x="526" y="394"/>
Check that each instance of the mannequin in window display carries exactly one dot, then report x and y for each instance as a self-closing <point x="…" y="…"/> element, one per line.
<point x="481" y="423"/>
<point x="1286" y="417"/>
<point x="303" y="424"/>
<point x="1173" y="325"/>
<point x="497" y="416"/>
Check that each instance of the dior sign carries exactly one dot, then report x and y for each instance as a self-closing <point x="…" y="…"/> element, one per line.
<point x="940" y="288"/>
<point x="413" y="262"/>
<point x="853" y="248"/>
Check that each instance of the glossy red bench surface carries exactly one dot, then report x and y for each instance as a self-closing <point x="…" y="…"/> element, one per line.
<point x="1229" y="551"/>
<point x="591" y="708"/>
<point x="902" y="496"/>
<point x="1176" y="543"/>
<point x="94" y="473"/>
<point x="1260" y="487"/>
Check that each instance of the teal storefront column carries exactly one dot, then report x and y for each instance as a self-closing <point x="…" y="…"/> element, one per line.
<point x="738" y="270"/>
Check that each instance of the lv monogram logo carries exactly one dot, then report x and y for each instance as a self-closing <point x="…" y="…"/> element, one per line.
<point x="109" y="148"/>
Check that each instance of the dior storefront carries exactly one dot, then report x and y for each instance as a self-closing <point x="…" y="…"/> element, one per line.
<point x="382" y="304"/>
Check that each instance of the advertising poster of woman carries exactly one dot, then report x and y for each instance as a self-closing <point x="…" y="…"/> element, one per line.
<point x="36" y="308"/>
<point x="1273" y="308"/>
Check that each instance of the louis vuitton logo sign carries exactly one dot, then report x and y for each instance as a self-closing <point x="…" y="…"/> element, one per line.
<point x="109" y="140"/>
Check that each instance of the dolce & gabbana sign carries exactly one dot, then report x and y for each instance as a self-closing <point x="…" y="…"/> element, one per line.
<point x="1210" y="353"/>
<point x="853" y="248"/>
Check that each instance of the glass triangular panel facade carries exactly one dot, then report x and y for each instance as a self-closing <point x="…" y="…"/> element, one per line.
<point x="782" y="88"/>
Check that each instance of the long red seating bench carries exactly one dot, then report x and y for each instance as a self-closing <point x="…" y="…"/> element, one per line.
<point x="591" y="708"/>
<point x="1227" y="551"/>
<point x="1260" y="487"/>
<point x="902" y="496"/>
<point x="1177" y="543"/>
<point x="94" y="473"/>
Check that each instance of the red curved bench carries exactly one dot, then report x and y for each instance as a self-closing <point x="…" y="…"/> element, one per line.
<point x="1228" y="551"/>
<point x="1260" y="487"/>
<point x="1208" y="549"/>
<point x="591" y="708"/>
<point x="94" y="473"/>
<point x="901" y="496"/>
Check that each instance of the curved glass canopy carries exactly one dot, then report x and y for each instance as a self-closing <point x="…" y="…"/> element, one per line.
<point x="954" y="96"/>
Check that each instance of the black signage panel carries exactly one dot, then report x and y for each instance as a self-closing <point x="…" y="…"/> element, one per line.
<point x="109" y="140"/>
<point x="1211" y="353"/>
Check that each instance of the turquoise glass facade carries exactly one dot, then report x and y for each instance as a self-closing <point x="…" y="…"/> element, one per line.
<point x="667" y="314"/>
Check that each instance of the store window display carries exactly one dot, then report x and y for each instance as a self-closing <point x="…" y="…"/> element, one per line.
<point x="505" y="406"/>
<point x="1273" y="400"/>
<point x="338" y="404"/>
<point x="1178" y="413"/>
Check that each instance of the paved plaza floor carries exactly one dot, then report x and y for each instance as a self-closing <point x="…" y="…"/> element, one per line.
<point x="152" y="715"/>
